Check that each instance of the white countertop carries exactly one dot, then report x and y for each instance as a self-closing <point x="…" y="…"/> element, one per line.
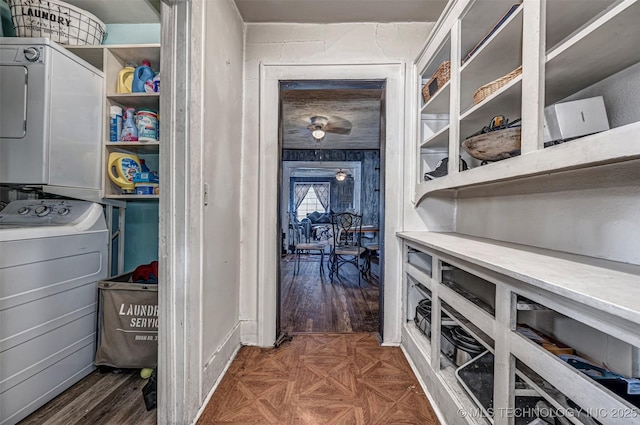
<point x="608" y="286"/>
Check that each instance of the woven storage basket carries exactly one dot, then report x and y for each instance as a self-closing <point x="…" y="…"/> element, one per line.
<point x="437" y="80"/>
<point x="57" y="20"/>
<point x="488" y="89"/>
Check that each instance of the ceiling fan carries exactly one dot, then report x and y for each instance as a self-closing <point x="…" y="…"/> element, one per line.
<point x="320" y="125"/>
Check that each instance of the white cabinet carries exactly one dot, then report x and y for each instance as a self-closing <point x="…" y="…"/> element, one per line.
<point x="111" y="59"/>
<point x="492" y="290"/>
<point x="563" y="46"/>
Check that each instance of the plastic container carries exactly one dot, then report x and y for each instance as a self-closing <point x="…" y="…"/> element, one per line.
<point x="147" y="188"/>
<point x="125" y="79"/>
<point x="143" y="166"/>
<point x="156" y="83"/>
<point x="147" y="125"/>
<point x="142" y="74"/>
<point x="115" y="123"/>
<point x="121" y="169"/>
<point x="129" y="129"/>
<point x="146" y="177"/>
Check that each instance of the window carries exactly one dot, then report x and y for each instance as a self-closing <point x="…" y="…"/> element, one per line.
<point x="310" y="202"/>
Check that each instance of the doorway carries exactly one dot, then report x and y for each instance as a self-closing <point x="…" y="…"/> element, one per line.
<point x="330" y="149"/>
<point x="269" y="237"/>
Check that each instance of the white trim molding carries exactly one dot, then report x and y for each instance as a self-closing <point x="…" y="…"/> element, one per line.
<point x="393" y="73"/>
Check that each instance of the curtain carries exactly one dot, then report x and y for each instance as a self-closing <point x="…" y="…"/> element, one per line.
<point x="322" y="193"/>
<point x="299" y="192"/>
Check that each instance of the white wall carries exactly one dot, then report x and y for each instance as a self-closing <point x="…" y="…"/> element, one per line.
<point x="216" y="114"/>
<point x="300" y="44"/>
<point x="593" y="212"/>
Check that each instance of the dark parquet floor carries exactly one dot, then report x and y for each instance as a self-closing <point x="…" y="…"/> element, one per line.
<point x="320" y="379"/>
<point x="311" y="303"/>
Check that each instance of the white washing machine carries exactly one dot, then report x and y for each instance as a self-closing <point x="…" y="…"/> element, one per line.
<point x="52" y="254"/>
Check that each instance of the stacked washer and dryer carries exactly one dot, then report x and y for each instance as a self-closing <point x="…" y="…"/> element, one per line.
<point x="52" y="251"/>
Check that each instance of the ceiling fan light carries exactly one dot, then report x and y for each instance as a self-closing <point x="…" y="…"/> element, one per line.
<point x="318" y="134"/>
<point x="341" y="175"/>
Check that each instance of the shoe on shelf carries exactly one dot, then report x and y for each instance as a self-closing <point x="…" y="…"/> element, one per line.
<point x="442" y="169"/>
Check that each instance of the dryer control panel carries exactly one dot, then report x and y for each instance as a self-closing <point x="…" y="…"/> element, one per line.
<point x="49" y="212"/>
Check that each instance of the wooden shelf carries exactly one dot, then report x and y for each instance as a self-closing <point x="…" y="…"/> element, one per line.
<point x="439" y="102"/>
<point x="564" y="17"/>
<point x="136" y="100"/>
<point x="569" y="381"/>
<point x="506" y="101"/>
<point x="419" y="275"/>
<point x="420" y="340"/>
<point x="616" y="145"/>
<point x="482" y="67"/>
<point x="440" y="140"/>
<point x="481" y="319"/>
<point x="546" y="391"/>
<point x="447" y="375"/>
<point x="469" y="327"/>
<point x="127" y="52"/>
<point x="470" y="297"/>
<point x="423" y="289"/>
<point x="578" y="278"/>
<point x="134" y="197"/>
<point x="604" y="46"/>
<point x="140" y="147"/>
<point x="135" y="53"/>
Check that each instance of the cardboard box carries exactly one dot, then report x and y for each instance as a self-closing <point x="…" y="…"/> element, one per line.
<point x="127" y="324"/>
<point x="568" y="120"/>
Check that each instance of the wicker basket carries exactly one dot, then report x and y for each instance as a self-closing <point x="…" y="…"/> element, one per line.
<point x="488" y="89"/>
<point x="437" y="80"/>
<point x="57" y="20"/>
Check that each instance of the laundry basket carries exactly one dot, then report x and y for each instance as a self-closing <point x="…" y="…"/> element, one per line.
<point x="59" y="21"/>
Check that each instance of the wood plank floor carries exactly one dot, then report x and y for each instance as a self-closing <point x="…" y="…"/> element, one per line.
<point x="98" y="399"/>
<point x="311" y="303"/>
<point x="320" y="379"/>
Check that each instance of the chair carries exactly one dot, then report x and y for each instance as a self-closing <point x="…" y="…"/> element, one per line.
<point x="295" y="227"/>
<point x="347" y="248"/>
<point x="300" y="247"/>
<point x="372" y="251"/>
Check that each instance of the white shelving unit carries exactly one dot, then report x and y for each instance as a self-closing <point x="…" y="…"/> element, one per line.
<point x="549" y="281"/>
<point x="111" y="58"/>
<point x="488" y="287"/>
<point x="564" y="48"/>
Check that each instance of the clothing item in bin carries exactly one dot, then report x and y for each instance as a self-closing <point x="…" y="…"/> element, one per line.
<point x="146" y="273"/>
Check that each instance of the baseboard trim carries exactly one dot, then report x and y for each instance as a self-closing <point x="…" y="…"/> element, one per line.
<point x="425" y="376"/>
<point x="249" y="332"/>
<point x="218" y="365"/>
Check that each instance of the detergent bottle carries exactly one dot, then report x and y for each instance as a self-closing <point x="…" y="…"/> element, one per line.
<point x="125" y="78"/>
<point x="129" y="129"/>
<point x="140" y="77"/>
<point x="121" y="169"/>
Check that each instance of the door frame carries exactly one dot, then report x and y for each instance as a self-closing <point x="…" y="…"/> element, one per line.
<point x="269" y="163"/>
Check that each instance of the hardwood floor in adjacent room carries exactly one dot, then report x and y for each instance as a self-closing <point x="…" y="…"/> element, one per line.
<point x="311" y="303"/>
<point x="98" y="399"/>
<point x="320" y="379"/>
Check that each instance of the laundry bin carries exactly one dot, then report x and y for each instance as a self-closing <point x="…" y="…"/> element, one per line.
<point x="128" y="324"/>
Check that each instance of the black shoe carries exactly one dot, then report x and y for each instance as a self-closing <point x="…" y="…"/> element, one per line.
<point x="149" y="391"/>
<point x="442" y="169"/>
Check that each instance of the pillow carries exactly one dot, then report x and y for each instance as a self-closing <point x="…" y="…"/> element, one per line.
<point x="324" y="218"/>
<point x="313" y="216"/>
